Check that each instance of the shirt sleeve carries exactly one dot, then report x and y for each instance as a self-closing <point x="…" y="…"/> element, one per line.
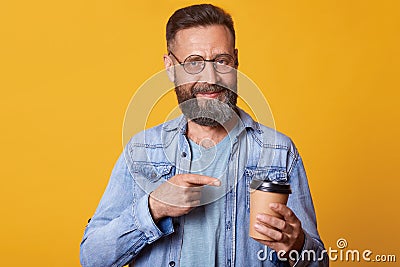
<point x="122" y="224"/>
<point x="313" y="252"/>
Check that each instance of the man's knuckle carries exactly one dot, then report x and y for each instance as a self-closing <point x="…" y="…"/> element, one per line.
<point x="296" y="235"/>
<point x="277" y="236"/>
<point x="289" y="213"/>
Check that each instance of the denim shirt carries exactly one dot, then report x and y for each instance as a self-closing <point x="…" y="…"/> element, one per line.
<point x="122" y="230"/>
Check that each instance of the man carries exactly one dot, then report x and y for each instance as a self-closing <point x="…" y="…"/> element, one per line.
<point x="179" y="194"/>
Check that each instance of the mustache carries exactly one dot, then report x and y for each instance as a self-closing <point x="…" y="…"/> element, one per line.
<point x="206" y="88"/>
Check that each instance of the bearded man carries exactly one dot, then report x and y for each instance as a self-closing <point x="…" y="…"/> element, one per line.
<point x="179" y="193"/>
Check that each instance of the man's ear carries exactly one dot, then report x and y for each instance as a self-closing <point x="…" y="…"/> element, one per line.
<point x="236" y="52"/>
<point x="169" y="67"/>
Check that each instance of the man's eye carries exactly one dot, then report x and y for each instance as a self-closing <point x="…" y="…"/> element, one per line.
<point x="194" y="63"/>
<point x="222" y="61"/>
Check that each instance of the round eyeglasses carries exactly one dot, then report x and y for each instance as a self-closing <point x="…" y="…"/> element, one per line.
<point x="194" y="64"/>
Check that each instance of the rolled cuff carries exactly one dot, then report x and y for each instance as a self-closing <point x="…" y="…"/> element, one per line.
<point x="311" y="254"/>
<point x="145" y="223"/>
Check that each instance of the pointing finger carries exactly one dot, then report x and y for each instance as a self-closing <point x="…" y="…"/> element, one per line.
<point x="196" y="179"/>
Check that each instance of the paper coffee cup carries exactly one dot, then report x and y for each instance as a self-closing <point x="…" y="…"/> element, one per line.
<point x="261" y="194"/>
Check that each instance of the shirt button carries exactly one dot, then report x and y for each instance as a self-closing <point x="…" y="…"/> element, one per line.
<point x="172" y="263"/>
<point x="183" y="154"/>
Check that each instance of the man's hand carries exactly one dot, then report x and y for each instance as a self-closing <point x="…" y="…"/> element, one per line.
<point x="287" y="235"/>
<point x="178" y="195"/>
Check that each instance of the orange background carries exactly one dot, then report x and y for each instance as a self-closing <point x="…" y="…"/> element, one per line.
<point x="329" y="69"/>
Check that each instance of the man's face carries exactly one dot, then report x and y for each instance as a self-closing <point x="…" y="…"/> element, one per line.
<point x="209" y="97"/>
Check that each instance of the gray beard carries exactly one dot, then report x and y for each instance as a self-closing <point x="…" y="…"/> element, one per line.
<point x="207" y="111"/>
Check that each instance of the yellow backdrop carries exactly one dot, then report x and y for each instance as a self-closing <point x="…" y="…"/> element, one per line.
<point x="329" y="69"/>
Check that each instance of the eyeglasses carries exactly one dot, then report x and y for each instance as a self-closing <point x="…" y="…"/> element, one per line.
<point x="194" y="64"/>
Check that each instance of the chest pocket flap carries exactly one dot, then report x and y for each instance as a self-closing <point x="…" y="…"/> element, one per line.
<point x="277" y="174"/>
<point x="153" y="172"/>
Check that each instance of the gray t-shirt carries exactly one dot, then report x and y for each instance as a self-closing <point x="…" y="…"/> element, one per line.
<point x="204" y="234"/>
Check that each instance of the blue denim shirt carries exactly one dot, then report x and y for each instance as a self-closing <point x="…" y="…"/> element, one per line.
<point x="122" y="230"/>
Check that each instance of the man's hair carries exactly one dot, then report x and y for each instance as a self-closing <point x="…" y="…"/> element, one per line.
<point x="197" y="16"/>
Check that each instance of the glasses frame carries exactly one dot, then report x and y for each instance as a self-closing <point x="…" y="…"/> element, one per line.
<point x="205" y="60"/>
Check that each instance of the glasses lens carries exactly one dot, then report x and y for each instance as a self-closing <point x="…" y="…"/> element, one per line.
<point x="194" y="64"/>
<point x="224" y="63"/>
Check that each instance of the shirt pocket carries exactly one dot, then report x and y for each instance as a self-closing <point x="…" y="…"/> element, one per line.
<point x="153" y="172"/>
<point x="150" y="175"/>
<point x="271" y="173"/>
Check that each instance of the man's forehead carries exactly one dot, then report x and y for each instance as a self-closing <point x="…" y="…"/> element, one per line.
<point x="203" y="36"/>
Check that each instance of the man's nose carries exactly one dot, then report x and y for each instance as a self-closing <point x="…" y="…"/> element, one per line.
<point x="209" y="73"/>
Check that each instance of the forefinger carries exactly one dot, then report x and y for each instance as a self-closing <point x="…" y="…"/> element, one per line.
<point x="283" y="210"/>
<point x="197" y="179"/>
